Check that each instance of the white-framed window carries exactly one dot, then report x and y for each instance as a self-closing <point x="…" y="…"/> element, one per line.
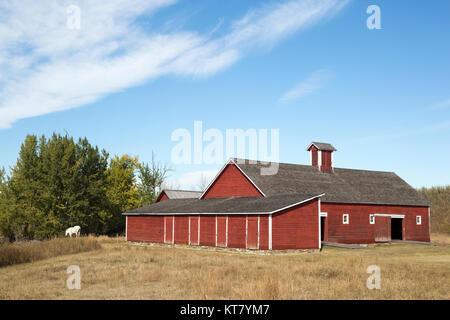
<point x="372" y="219"/>
<point x="418" y="220"/>
<point x="345" y="218"/>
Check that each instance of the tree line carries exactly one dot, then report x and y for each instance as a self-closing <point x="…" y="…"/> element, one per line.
<point x="57" y="183"/>
<point x="440" y="207"/>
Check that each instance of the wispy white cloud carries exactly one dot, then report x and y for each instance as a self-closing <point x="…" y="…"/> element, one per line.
<point x="311" y="84"/>
<point x="46" y="67"/>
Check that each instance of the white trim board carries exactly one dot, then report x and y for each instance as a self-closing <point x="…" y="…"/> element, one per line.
<point x="320" y="227"/>
<point x="270" y="232"/>
<point x="389" y="215"/>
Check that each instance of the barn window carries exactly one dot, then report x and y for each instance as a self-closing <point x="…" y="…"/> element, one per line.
<point x="418" y="220"/>
<point x="345" y="218"/>
<point x="372" y="219"/>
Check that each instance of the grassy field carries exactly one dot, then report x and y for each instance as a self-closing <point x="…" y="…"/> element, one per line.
<point x="31" y="251"/>
<point x="117" y="270"/>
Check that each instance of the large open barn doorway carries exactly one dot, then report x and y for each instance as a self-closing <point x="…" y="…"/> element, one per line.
<point x="397" y="229"/>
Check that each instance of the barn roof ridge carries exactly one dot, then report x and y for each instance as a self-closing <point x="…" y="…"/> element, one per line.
<point x="340" y="185"/>
<point x="252" y="161"/>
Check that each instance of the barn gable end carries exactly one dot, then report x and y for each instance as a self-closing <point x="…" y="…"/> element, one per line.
<point x="231" y="182"/>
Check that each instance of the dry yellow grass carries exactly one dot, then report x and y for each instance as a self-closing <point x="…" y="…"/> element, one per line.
<point x="440" y="237"/>
<point x="121" y="271"/>
<point x="14" y="253"/>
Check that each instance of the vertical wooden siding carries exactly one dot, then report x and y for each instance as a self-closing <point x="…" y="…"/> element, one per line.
<point x="169" y="229"/>
<point x="148" y="229"/>
<point x="194" y="234"/>
<point x="208" y="231"/>
<point x="222" y="231"/>
<point x="252" y="232"/>
<point x="264" y="232"/>
<point x="181" y="235"/>
<point x="326" y="161"/>
<point x="297" y="227"/>
<point x="236" y="231"/>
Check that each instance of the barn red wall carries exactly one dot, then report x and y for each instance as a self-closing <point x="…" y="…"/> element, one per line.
<point x="236" y="231"/>
<point x="359" y="229"/>
<point x="231" y="183"/>
<point x="296" y="228"/>
<point x="194" y="229"/>
<point x="181" y="230"/>
<point x="264" y="232"/>
<point x="222" y="231"/>
<point x="148" y="228"/>
<point x="252" y="232"/>
<point x="326" y="161"/>
<point x="162" y="197"/>
<point x="169" y="229"/>
<point x="208" y="231"/>
<point x="314" y="156"/>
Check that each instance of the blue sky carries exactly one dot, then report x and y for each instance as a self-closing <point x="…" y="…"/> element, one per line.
<point x="137" y="70"/>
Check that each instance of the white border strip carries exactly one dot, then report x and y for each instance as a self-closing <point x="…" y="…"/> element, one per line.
<point x="389" y="215"/>
<point x="246" y="232"/>
<point x="226" y="235"/>
<point x="320" y="228"/>
<point x="270" y="232"/>
<point x="259" y="221"/>
<point x="198" y="238"/>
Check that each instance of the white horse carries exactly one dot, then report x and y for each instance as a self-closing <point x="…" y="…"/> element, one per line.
<point x="73" y="230"/>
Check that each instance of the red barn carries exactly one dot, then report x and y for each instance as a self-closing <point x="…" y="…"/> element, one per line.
<point x="298" y="207"/>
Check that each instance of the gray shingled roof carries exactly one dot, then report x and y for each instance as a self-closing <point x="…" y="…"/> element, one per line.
<point x="230" y="205"/>
<point x="323" y="146"/>
<point x="182" y="194"/>
<point x="339" y="186"/>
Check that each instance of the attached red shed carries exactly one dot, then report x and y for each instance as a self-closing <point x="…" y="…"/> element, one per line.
<point x="278" y="222"/>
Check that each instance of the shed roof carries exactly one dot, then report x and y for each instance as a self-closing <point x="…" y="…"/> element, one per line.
<point x="339" y="185"/>
<point x="229" y="205"/>
<point x="182" y="194"/>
